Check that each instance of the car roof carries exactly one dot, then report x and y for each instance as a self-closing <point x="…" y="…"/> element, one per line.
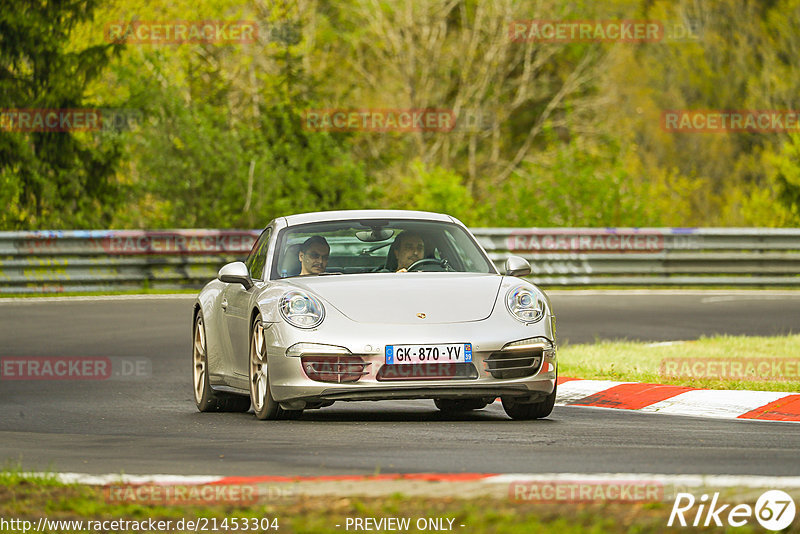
<point x="341" y="215"/>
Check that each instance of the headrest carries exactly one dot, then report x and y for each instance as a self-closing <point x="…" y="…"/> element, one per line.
<point x="290" y="261"/>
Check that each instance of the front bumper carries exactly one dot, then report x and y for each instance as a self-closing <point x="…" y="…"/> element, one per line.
<point x="291" y="386"/>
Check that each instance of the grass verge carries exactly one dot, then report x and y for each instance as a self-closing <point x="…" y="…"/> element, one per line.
<point x="31" y="499"/>
<point x="720" y="362"/>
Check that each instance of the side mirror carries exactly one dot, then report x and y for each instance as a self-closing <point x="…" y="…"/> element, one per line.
<point x="516" y="266"/>
<point x="236" y="273"/>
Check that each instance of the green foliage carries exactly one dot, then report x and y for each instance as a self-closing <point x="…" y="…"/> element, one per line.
<point x="773" y="201"/>
<point x="736" y="57"/>
<point x="575" y="184"/>
<point x="12" y="474"/>
<point x="200" y="171"/>
<point x="573" y="135"/>
<point x="430" y="189"/>
<point x="787" y="176"/>
<point x="52" y="179"/>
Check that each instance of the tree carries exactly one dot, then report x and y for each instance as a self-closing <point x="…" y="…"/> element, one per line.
<point x="52" y="179"/>
<point x="224" y="144"/>
<point x="455" y="55"/>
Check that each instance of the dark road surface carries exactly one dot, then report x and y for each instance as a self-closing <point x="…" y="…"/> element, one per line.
<point x="151" y="425"/>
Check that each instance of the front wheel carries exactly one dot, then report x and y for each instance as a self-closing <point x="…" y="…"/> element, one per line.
<point x="535" y="410"/>
<point x="206" y="399"/>
<point x="264" y="405"/>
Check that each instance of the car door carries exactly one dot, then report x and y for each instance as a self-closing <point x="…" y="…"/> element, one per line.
<point x="236" y="306"/>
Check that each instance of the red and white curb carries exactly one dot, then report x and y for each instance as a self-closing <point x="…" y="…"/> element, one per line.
<point x="680" y="400"/>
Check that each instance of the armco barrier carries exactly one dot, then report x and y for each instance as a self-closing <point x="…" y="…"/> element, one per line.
<point x="104" y="260"/>
<point x="651" y="256"/>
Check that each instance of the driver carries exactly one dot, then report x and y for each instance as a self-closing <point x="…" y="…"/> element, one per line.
<point x="409" y="248"/>
<point x="314" y="253"/>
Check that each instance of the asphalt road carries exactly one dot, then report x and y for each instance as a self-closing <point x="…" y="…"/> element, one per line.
<point x="151" y="425"/>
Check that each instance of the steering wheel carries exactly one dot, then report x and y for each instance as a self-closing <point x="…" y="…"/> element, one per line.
<point x="425" y="261"/>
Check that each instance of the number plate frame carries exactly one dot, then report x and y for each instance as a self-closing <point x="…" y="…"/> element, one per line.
<point x="425" y="353"/>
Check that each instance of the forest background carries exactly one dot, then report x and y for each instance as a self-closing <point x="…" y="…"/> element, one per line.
<point x="549" y="133"/>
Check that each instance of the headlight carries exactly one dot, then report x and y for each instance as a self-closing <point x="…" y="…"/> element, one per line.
<point x="527" y="305"/>
<point x="301" y="310"/>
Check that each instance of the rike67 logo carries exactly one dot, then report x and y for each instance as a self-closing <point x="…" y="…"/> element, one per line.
<point x="774" y="510"/>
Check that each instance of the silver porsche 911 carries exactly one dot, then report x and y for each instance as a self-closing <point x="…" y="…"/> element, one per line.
<point x="372" y="305"/>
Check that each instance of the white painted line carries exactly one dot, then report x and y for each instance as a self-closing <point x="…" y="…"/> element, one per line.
<point x="647" y="414"/>
<point x="101" y="480"/>
<point x="735" y="298"/>
<point x="578" y="389"/>
<point x="717" y="481"/>
<point x="664" y="343"/>
<point x="714" y="403"/>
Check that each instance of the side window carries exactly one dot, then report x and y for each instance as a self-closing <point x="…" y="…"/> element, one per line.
<point x="462" y="260"/>
<point x="258" y="256"/>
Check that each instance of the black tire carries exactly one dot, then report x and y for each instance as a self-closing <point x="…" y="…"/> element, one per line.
<point x="459" y="405"/>
<point x="527" y="411"/>
<point x="264" y="405"/>
<point x="205" y="398"/>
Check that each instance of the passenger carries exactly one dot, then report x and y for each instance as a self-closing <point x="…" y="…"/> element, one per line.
<point x="314" y="253"/>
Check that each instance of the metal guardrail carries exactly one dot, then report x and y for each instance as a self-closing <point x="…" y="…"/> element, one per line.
<point x="60" y="261"/>
<point x="651" y="256"/>
<point x="109" y="260"/>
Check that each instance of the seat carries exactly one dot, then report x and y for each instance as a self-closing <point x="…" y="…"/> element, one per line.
<point x="391" y="259"/>
<point x="290" y="261"/>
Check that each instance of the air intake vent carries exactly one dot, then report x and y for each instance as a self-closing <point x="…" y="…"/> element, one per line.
<point x="514" y="364"/>
<point x="334" y="368"/>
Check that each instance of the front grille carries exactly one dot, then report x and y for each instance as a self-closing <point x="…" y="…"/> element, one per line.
<point x="514" y="363"/>
<point x="427" y="371"/>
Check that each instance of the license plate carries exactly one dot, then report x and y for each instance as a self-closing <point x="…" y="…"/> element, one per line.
<point x="440" y="353"/>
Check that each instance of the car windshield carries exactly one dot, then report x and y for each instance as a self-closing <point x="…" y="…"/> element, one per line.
<point x="375" y="246"/>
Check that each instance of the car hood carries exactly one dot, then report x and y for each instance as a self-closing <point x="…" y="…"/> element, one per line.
<point x="399" y="298"/>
